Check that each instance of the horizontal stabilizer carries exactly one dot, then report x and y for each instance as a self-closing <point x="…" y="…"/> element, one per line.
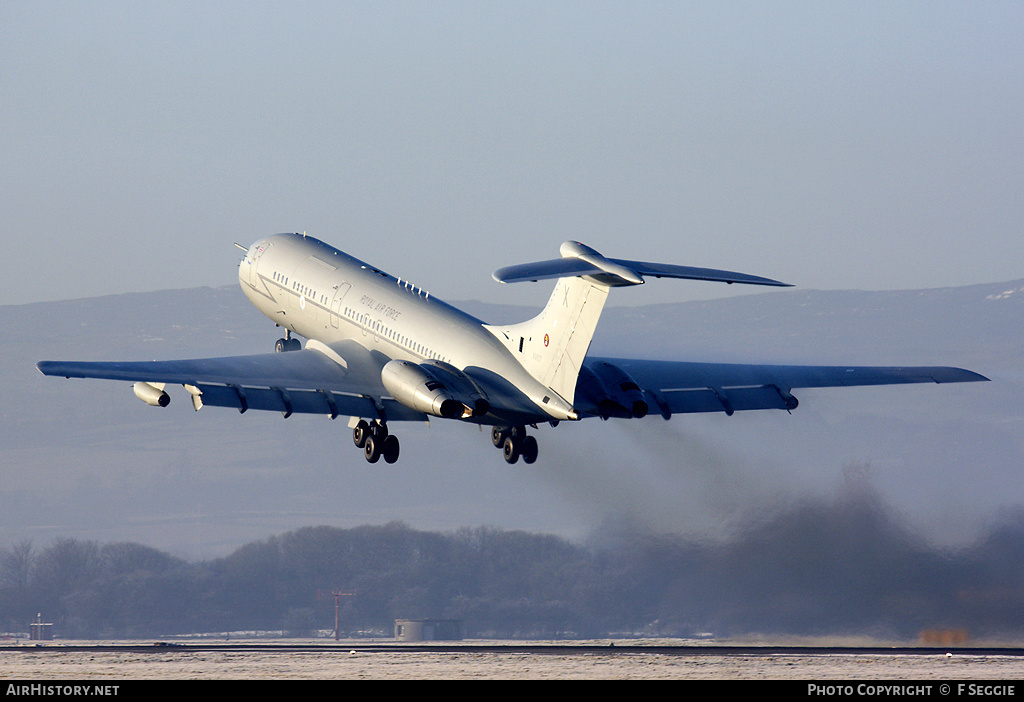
<point x="579" y="260"/>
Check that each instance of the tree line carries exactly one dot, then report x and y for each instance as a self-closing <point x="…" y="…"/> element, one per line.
<point x="843" y="565"/>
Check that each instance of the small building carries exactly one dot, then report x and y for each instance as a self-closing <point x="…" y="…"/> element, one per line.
<point x="428" y="629"/>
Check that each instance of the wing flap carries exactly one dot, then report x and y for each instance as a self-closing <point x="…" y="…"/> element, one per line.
<point x="292" y="401"/>
<point x="726" y="400"/>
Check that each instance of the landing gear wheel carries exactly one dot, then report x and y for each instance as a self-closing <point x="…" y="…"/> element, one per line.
<point x="529" y="450"/>
<point x="289" y="344"/>
<point x="511" y="449"/>
<point x="515" y="443"/>
<point x="498" y="435"/>
<point x="360" y="432"/>
<point x="372" y="449"/>
<point x="390" y="449"/>
<point x="375" y="441"/>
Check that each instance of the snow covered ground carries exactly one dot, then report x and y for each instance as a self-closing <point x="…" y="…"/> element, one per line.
<point x="32" y="663"/>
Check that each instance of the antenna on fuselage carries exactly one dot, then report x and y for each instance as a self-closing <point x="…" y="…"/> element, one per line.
<point x="412" y="288"/>
<point x="243" y="248"/>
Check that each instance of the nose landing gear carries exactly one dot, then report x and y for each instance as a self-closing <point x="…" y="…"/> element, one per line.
<point x="287" y="343"/>
<point x="514" y="443"/>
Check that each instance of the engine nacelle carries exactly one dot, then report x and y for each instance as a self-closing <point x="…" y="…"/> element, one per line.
<point x="152" y="394"/>
<point x="613" y="391"/>
<point x="461" y="386"/>
<point x="424" y="388"/>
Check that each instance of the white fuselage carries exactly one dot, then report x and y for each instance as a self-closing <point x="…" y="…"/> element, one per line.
<point x="321" y="293"/>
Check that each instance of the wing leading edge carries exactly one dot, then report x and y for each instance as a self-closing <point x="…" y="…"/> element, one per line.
<point x="675" y="387"/>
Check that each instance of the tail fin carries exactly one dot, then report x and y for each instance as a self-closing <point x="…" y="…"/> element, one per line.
<point x="553" y="345"/>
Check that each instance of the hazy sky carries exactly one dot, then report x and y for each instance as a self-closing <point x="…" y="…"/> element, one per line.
<point x="868" y="145"/>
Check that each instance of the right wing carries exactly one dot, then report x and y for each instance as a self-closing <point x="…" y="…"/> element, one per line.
<point x="676" y="387"/>
<point x="341" y="379"/>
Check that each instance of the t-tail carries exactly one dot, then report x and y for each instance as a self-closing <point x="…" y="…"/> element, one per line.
<point x="553" y="345"/>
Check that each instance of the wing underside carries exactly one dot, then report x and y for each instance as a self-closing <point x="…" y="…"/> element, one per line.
<point x="304" y="382"/>
<point x="681" y="387"/>
<point x="341" y="381"/>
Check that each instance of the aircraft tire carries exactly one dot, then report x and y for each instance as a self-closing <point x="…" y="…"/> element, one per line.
<point x="530" y="449"/>
<point x="372" y="449"/>
<point x="498" y="435"/>
<point x="391" y="448"/>
<point x="511" y="449"/>
<point x="359" y="433"/>
<point x="282" y="345"/>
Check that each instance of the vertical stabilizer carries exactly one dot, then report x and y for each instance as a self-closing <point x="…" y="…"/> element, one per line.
<point x="552" y="345"/>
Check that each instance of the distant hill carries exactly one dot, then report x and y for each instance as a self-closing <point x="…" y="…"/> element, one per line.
<point x="87" y="460"/>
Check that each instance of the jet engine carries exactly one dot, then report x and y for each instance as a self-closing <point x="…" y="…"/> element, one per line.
<point x="433" y="388"/>
<point x="461" y="385"/>
<point x="152" y="394"/>
<point x="612" y="390"/>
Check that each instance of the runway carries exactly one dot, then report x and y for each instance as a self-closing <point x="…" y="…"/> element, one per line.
<point x="382" y="660"/>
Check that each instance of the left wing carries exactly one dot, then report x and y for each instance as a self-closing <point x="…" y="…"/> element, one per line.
<point x="320" y="379"/>
<point x="672" y="387"/>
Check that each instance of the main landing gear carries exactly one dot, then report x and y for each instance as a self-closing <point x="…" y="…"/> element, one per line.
<point x="375" y="441"/>
<point x="515" y="442"/>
